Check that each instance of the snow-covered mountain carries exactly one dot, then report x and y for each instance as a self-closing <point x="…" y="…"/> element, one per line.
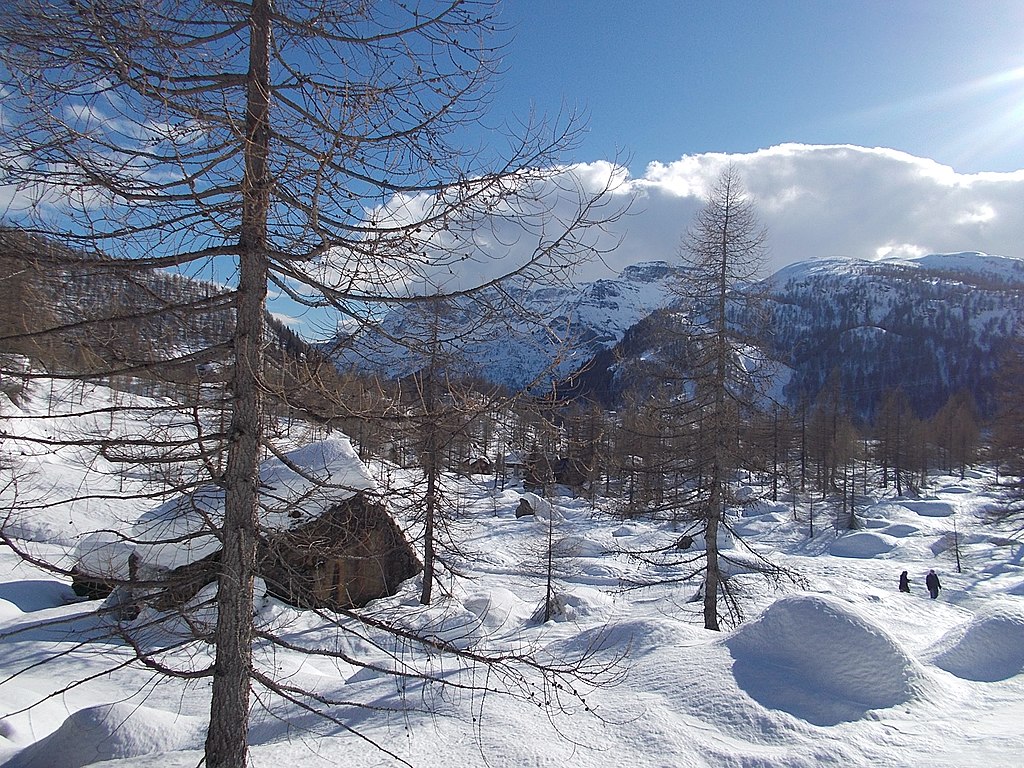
<point x="512" y="340"/>
<point x="931" y="325"/>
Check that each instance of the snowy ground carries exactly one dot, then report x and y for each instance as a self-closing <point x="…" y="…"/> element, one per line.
<point x="843" y="670"/>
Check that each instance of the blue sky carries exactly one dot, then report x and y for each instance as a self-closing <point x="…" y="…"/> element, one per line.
<point x="659" y="79"/>
<point x="866" y="128"/>
<point x="861" y="128"/>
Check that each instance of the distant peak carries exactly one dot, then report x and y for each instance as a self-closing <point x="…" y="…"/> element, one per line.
<point x="646" y="271"/>
<point x="969" y="262"/>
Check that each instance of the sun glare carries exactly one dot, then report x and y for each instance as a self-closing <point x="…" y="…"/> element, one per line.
<point x="970" y="122"/>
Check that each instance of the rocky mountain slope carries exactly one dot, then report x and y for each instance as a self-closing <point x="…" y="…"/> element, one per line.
<point x="930" y="326"/>
<point x="511" y="339"/>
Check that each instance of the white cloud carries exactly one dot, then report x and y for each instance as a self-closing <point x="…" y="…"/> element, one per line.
<point x="979" y="214"/>
<point x="288" y="320"/>
<point x="816" y="201"/>
<point x="832" y="200"/>
<point x="524" y="224"/>
<point x="899" y="251"/>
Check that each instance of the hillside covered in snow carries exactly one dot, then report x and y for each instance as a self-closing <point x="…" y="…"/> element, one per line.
<point x="829" y="666"/>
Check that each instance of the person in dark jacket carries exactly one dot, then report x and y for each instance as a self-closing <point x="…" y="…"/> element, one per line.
<point x="932" y="582"/>
<point x="904" y="582"/>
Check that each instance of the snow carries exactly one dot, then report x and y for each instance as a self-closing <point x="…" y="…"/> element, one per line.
<point x="838" y="669"/>
<point x="990" y="647"/>
<point x="969" y="263"/>
<point x="974" y="263"/>
<point x="542" y="509"/>
<point x="821" y="660"/>
<point x="108" y="732"/>
<point x="331" y="472"/>
<point x="861" y="544"/>
<point x="930" y="507"/>
<point x="594" y="315"/>
<point x="104" y="554"/>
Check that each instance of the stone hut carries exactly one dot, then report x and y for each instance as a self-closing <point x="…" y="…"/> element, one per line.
<point x="351" y="554"/>
<point x="326" y="541"/>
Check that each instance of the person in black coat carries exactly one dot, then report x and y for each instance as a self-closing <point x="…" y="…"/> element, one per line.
<point x="932" y="582"/>
<point x="904" y="582"/>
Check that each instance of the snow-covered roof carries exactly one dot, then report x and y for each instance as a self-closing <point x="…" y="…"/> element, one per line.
<point x="301" y="486"/>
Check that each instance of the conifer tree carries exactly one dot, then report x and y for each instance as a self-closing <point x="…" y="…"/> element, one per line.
<point x="709" y="391"/>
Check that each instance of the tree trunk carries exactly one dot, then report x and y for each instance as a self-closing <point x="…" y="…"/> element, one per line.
<point x="549" y="595"/>
<point x="227" y="737"/>
<point x="711" y="573"/>
<point x="428" y="533"/>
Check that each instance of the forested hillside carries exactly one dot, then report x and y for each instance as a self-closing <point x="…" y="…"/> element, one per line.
<point x="930" y="327"/>
<point x="72" y="309"/>
<point x="80" y="314"/>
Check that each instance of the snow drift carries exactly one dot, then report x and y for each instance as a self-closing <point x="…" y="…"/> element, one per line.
<point x="109" y="732"/>
<point x="862" y="544"/>
<point x="818" y="659"/>
<point x="988" y="648"/>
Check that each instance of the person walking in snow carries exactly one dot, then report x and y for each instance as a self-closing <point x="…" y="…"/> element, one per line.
<point x="904" y="582"/>
<point x="932" y="582"/>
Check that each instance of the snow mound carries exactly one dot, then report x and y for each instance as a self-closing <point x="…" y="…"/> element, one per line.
<point x="930" y="507"/>
<point x="542" y="508"/>
<point x="498" y="608"/>
<point x="632" y="639"/>
<point x="1016" y="589"/>
<point x="8" y="610"/>
<point x="579" y="604"/>
<point x="900" y="530"/>
<point x="862" y="544"/>
<point x="820" y="660"/>
<point x="31" y="595"/>
<point x="988" y="648"/>
<point x="104" y="554"/>
<point x="109" y="732"/>
<point x="582" y="546"/>
<point x="883" y="510"/>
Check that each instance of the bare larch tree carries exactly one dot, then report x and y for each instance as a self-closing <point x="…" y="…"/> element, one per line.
<point x="319" y="148"/>
<point x="708" y="393"/>
<point x="724" y="251"/>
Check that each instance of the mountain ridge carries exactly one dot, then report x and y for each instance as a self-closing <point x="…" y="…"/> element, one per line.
<point x="931" y="325"/>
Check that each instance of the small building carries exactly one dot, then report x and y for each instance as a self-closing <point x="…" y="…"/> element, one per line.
<point x="326" y="540"/>
<point x="351" y="554"/>
<point x="478" y="465"/>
